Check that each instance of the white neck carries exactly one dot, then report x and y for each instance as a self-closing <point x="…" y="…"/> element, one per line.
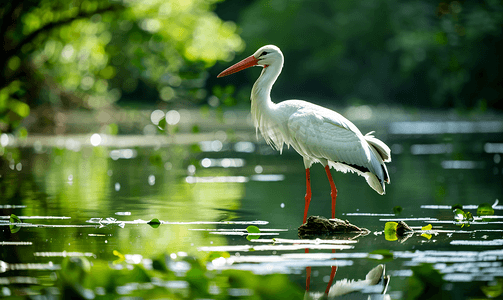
<point x="262" y="105"/>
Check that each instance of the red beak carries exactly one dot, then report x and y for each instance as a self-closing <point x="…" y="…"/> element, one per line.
<point x="245" y="63"/>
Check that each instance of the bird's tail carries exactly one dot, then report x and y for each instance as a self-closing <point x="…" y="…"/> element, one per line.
<point x="380" y="147"/>
<point x="383" y="152"/>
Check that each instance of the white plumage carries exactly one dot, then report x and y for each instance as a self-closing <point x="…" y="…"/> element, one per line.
<point x="319" y="134"/>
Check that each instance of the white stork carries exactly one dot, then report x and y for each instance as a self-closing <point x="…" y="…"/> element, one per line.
<point x="318" y="134"/>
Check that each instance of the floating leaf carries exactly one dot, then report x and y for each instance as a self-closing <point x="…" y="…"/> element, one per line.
<point x="459" y="214"/>
<point x="457" y="206"/>
<point x="390" y="231"/>
<point x="426" y="235"/>
<point x="397" y="210"/>
<point x="252" y="229"/>
<point x="485" y="209"/>
<point x="162" y="125"/>
<point x="493" y="291"/>
<point x="120" y="257"/>
<point x="252" y="237"/>
<point x="427" y="227"/>
<point x="154" y="223"/>
<point x="390" y="227"/>
<point x="216" y="254"/>
<point x="425" y="283"/>
<point x="14" y="219"/>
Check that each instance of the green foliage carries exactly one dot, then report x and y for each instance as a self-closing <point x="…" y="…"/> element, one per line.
<point x="494" y="290"/>
<point x="79" y="279"/>
<point x="14" y="219"/>
<point x="425" y="283"/>
<point x="428" y="53"/>
<point x="92" y="53"/>
<point x="464" y="217"/>
<point x="485" y="209"/>
<point x="390" y="231"/>
<point x="252" y="229"/>
<point x="456" y="206"/>
<point x="154" y="223"/>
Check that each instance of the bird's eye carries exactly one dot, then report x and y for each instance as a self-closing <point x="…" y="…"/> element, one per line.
<point x="263" y="53"/>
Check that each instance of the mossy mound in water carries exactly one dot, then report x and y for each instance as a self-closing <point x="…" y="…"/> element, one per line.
<point x="320" y="226"/>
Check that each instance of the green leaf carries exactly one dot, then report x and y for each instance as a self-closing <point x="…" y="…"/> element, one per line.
<point x="494" y="290"/>
<point x="457" y="206"/>
<point x="216" y="254"/>
<point x="252" y="229"/>
<point x="14" y="219"/>
<point x="426" y="235"/>
<point x="390" y="231"/>
<point x="485" y="209"/>
<point x="120" y="257"/>
<point x="252" y="237"/>
<point x="427" y="227"/>
<point x="397" y="210"/>
<point x="154" y="223"/>
<point x="162" y="124"/>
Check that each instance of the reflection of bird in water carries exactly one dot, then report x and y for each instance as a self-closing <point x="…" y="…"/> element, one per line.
<point x="319" y="134"/>
<point x="373" y="287"/>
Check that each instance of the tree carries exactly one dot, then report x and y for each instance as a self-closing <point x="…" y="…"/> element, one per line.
<point x="418" y="53"/>
<point x="91" y="53"/>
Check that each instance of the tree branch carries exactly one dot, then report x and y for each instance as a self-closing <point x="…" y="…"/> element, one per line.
<point x="29" y="38"/>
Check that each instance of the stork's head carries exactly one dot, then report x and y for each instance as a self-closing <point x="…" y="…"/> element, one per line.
<point x="264" y="57"/>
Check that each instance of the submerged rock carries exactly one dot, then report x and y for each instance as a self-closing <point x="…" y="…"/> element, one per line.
<point x="318" y="226"/>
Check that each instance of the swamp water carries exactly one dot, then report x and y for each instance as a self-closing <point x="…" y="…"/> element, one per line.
<point x="95" y="216"/>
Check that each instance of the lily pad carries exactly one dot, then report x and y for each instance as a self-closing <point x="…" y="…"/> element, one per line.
<point x="252" y="229"/>
<point x="485" y="209"/>
<point x="14" y="219"/>
<point x="397" y="210"/>
<point x="154" y="223"/>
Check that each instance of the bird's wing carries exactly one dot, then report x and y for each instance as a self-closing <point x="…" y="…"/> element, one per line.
<point x="325" y="135"/>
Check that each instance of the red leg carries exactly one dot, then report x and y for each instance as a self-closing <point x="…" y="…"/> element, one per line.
<point x="308" y="193"/>
<point x="308" y="273"/>
<point x="333" y="192"/>
<point x="332" y="275"/>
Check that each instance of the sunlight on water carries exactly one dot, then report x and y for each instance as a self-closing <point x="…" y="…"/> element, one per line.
<point x="64" y="254"/>
<point x="215" y="179"/>
<point x="368" y="214"/>
<point x="441" y="127"/>
<point x="478" y="243"/>
<point x="222" y="162"/>
<point x="37" y="218"/>
<point x="246" y="147"/>
<point x="268" y="177"/>
<point x="493" y="147"/>
<point x="8" y="243"/>
<point x="247" y="248"/>
<point x="428" y="149"/>
<point x="123" y="154"/>
<point x="462" y="164"/>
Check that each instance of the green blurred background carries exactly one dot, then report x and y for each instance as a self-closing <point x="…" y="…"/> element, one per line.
<point x="95" y="55"/>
